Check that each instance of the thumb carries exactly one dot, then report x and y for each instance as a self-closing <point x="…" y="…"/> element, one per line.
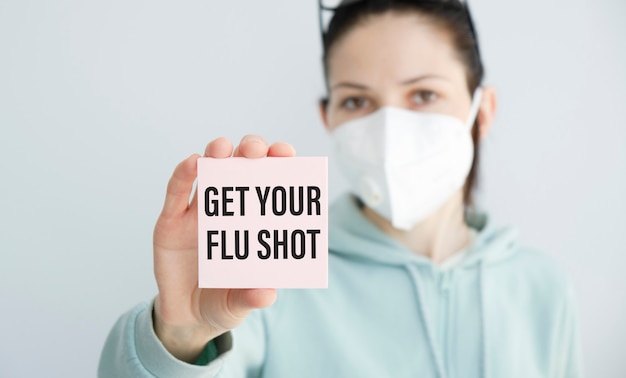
<point x="242" y="301"/>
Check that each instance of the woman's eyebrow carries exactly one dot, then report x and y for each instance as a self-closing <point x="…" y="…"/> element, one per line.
<point x="404" y="82"/>
<point x="423" y="77"/>
<point x="350" y="85"/>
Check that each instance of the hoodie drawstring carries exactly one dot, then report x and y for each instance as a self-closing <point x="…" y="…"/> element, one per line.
<point x="426" y="323"/>
<point x="428" y="328"/>
<point x="483" y="323"/>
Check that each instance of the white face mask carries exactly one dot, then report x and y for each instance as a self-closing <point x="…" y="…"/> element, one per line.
<point x="405" y="164"/>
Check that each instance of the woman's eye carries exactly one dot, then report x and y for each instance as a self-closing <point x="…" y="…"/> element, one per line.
<point x="423" y="97"/>
<point x="354" y="103"/>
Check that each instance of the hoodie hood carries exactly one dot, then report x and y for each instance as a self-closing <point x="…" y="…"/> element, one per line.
<point x="352" y="235"/>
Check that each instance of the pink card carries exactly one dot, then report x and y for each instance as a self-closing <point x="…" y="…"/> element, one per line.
<point x="263" y="223"/>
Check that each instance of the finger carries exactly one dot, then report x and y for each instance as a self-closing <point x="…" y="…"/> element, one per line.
<point x="219" y="148"/>
<point x="179" y="187"/>
<point x="251" y="146"/>
<point x="242" y="301"/>
<point x="194" y="197"/>
<point x="281" y="149"/>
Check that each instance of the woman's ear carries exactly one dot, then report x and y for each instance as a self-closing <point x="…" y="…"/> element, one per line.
<point x="323" y="105"/>
<point x="487" y="111"/>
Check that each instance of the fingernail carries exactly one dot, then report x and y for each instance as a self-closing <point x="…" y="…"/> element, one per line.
<point x="253" y="138"/>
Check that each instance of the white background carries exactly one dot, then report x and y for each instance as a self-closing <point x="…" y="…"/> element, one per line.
<point x="99" y="102"/>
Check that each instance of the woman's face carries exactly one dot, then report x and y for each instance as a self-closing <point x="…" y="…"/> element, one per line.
<point x="400" y="60"/>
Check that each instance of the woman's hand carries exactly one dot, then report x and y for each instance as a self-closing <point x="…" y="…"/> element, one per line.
<point x="186" y="317"/>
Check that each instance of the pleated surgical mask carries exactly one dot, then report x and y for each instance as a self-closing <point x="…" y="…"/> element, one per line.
<point x="405" y="164"/>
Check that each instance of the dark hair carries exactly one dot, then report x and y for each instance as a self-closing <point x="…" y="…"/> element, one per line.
<point x="452" y="16"/>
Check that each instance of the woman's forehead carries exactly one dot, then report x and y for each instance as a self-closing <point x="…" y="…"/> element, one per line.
<point x="393" y="47"/>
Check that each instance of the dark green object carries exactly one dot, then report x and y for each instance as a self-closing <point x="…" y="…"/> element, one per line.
<point x="209" y="353"/>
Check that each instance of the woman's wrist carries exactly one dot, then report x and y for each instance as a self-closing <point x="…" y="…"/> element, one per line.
<point x="185" y="342"/>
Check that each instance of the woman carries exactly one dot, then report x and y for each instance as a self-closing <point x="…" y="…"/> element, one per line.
<point x="419" y="283"/>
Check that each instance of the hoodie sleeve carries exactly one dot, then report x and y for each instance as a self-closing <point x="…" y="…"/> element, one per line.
<point x="132" y="349"/>
<point x="569" y="365"/>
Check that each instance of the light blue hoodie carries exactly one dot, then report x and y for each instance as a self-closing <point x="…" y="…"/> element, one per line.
<point x="502" y="311"/>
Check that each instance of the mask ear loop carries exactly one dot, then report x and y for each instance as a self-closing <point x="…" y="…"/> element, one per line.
<point x="477" y="98"/>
